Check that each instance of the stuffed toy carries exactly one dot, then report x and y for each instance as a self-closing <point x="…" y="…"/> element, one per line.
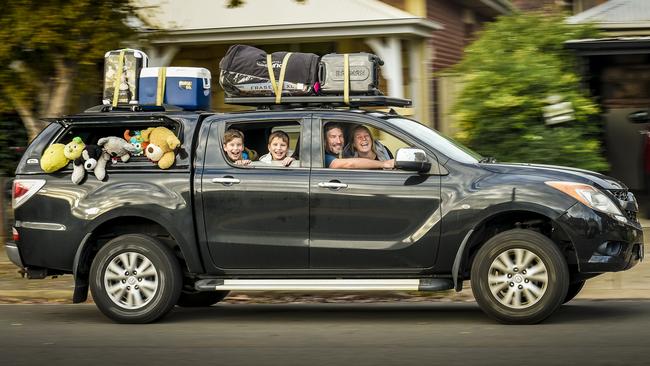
<point x="135" y="138"/>
<point x="162" y="143"/>
<point x="74" y="148"/>
<point x="53" y="158"/>
<point x="93" y="158"/>
<point x="117" y="147"/>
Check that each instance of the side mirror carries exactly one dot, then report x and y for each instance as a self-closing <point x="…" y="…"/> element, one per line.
<point x="639" y="117"/>
<point x="412" y="159"/>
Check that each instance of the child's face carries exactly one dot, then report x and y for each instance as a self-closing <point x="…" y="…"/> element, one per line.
<point x="278" y="148"/>
<point x="234" y="149"/>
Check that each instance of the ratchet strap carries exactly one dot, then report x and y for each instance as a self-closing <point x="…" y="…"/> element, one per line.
<point x="118" y="78"/>
<point x="160" y="87"/>
<point x="346" y="79"/>
<point x="277" y="87"/>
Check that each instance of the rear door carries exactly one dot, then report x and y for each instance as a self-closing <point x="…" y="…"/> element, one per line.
<point x="256" y="217"/>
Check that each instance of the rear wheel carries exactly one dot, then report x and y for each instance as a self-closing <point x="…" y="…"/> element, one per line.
<point x="201" y="299"/>
<point x="519" y="277"/>
<point x="135" y="279"/>
<point x="574" y="290"/>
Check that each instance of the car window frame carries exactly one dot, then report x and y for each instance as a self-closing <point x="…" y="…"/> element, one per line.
<point x="318" y="147"/>
<point x="302" y="121"/>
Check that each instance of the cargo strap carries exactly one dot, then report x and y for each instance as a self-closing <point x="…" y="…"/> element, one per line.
<point x="118" y="78"/>
<point x="160" y="88"/>
<point x="277" y="87"/>
<point x="346" y="79"/>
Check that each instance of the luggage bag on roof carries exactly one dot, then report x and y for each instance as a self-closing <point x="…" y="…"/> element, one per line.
<point x="363" y="73"/>
<point x="244" y="72"/>
<point x="121" y="76"/>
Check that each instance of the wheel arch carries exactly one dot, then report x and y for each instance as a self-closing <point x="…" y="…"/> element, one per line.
<point x="111" y="226"/>
<point x="533" y="217"/>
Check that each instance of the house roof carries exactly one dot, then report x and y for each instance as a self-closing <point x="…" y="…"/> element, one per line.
<point x="210" y="21"/>
<point x="616" y="15"/>
<point x="610" y="46"/>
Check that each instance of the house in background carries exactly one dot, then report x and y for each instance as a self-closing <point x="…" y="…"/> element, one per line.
<point x="415" y="38"/>
<point x="617" y="71"/>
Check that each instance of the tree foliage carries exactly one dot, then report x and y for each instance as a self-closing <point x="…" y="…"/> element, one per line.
<point x="508" y="74"/>
<point x="51" y="49"/>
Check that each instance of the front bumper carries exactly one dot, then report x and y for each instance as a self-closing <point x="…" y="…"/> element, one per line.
<point x="602" y="243"/>
<point x="14" y="254"/>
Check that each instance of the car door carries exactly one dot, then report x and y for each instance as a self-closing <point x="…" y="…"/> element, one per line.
<point x="255" y="217"/>
<point x="371" y="219"/>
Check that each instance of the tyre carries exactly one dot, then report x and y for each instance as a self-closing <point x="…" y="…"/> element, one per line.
<point x="201" y="299"/>
<point x="574" y="290"/>
<point x="135" y="279"/>
<point x="519" y="277"/>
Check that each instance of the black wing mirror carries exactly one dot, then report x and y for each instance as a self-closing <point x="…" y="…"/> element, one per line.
<point x="639" y="117"/>
<point x="412" y="159"/>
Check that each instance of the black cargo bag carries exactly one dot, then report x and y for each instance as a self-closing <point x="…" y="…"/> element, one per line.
<point x="244" y="72"/>
<point x="363" y="73"/>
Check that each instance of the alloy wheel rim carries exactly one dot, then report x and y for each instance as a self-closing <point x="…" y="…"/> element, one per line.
<point x="518" y="278"/>
<point x="131" y="280"/>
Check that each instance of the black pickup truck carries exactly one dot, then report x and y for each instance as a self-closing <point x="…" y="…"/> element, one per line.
<point x="144" y="239"/>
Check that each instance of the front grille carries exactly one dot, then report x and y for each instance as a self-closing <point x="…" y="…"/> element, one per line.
<point x="631" y="215"/>
<point x="623" y="196"/>
<point x="620" y="194"/>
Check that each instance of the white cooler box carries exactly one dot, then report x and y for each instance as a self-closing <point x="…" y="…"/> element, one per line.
<point x="185" y="87"/>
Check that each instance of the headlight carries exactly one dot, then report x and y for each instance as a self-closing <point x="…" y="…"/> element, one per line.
<point x="590" y="196"/>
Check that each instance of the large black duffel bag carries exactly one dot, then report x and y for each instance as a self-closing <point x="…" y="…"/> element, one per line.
<point x="244" y="72"/>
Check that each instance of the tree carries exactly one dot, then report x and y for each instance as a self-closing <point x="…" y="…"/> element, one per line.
<point x="50" y="49"/>
<point x="508" y="74"/>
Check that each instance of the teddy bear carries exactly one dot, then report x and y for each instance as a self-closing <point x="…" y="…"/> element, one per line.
<point x="53" y="158"/>
<point x="93" y="158"/>
<point x="162" y="143"/>
<point x="117" y="147"/>
<point x="74" y="148"/>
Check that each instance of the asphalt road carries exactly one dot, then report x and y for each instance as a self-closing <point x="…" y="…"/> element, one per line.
<point x="442" y="333"/>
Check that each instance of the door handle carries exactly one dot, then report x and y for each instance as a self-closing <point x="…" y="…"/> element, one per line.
<point x="226" y="181"/>
<point x="334" y="185"/>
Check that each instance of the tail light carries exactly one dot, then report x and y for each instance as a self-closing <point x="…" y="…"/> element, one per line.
<point x="15" y="237"/>
<point x="24" y="189"/>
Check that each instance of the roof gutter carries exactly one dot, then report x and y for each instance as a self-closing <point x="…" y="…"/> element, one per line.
<point x="408" y="27"/>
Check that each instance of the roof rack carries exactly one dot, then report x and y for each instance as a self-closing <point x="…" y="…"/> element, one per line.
<point x="133" y="108"/>
<point x="321" y="100"/>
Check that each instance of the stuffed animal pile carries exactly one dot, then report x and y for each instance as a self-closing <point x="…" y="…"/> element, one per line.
<point x="157" y="143"/>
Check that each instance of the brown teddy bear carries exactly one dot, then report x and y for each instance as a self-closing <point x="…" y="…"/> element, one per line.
<point x="162" y="143"/>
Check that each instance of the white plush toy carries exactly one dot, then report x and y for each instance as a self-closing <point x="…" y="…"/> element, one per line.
<point x="117" y="147"/>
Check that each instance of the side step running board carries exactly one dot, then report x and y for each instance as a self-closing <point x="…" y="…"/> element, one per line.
<point x="425" y="284"/>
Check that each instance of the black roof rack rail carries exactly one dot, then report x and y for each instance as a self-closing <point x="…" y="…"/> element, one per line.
<point x="321" y="100"/>
<point x="133" y="108"/>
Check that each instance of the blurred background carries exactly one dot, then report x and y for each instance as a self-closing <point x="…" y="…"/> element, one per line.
<point x="540" y="81"/>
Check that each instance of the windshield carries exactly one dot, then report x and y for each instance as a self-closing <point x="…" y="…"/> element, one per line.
<point x="444" y="144"/>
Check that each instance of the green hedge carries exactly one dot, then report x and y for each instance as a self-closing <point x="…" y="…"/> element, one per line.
<point x="508" y="73"/>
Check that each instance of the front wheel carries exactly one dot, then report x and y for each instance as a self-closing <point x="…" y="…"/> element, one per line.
<point x="519" y="277"/>
<point x="135" y="279"/>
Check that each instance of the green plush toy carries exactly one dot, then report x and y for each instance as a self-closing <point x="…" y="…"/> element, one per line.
<point x="74" y="148"/>
<point x="54" y="158"/>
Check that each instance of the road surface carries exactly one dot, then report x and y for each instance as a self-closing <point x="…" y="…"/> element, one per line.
<point x="438" y="333"/>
